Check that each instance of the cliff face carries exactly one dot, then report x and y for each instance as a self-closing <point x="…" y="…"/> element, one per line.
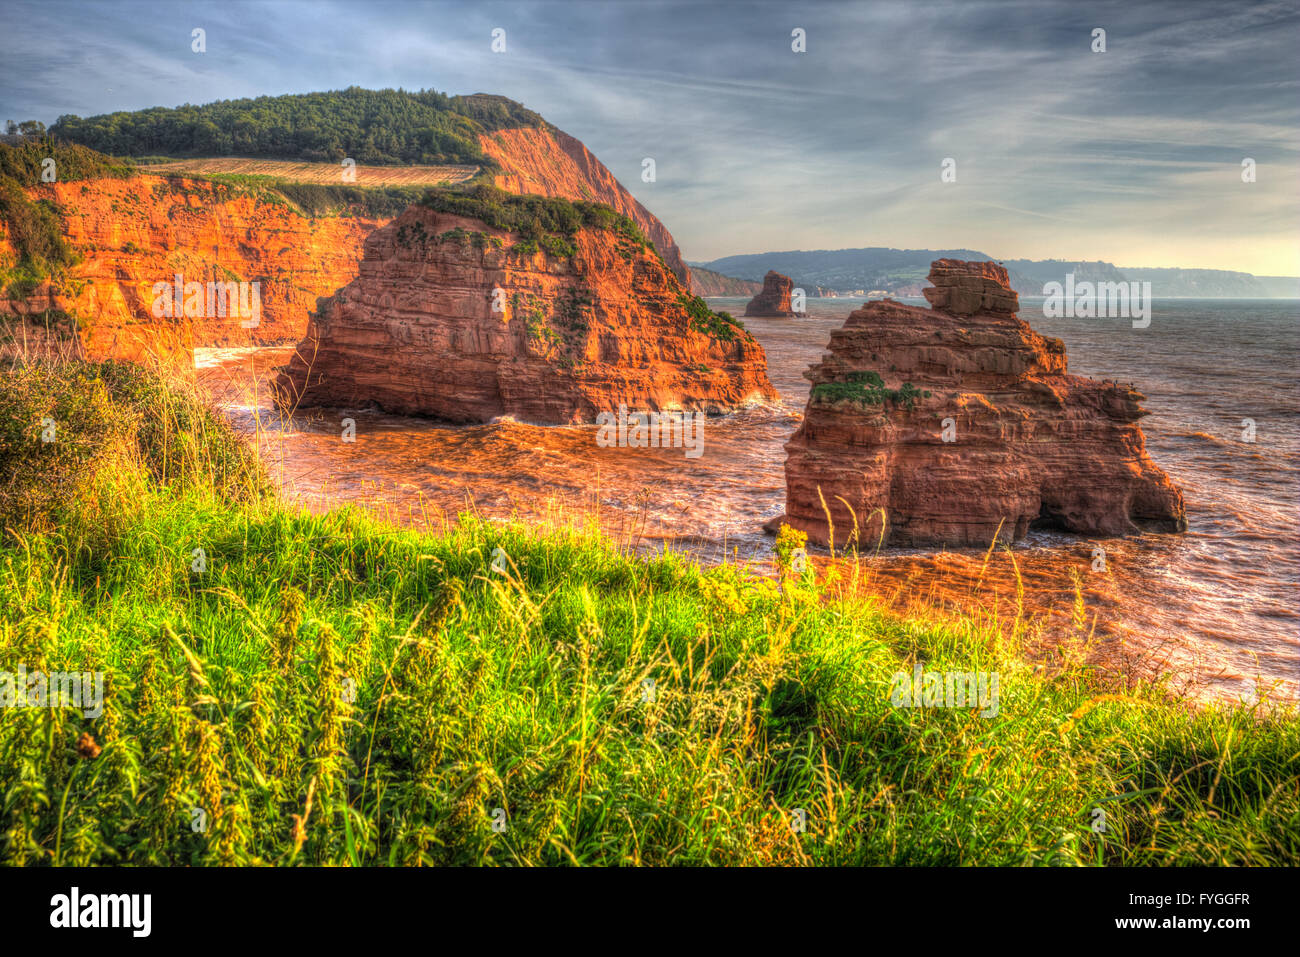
<point x="706" y="282"/>
<point x="960" y="419"/>
<point x="774" y="300"/>
<point x="553" y="163"/>
<point x="134" y="233"/>
<point x="575" y="332"/>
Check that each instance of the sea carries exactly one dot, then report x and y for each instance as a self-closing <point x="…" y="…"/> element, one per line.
<point x="1214" y="612"/>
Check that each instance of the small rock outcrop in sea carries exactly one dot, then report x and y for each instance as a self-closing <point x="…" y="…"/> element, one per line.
<point x="773" y="302"/>
<point x="456" y="320"/>
<point x="959" y="423"/>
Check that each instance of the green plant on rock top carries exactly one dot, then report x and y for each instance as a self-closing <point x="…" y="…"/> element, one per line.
<point x="869" y="389"/>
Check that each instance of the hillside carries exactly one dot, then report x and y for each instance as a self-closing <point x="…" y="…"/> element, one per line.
<point x="551" y="163"/>
<point x="1216" y="283"/>
<point x="510" y="145"/>
<point x="594" y="319"/>
<point x="824" y="270"/>
<point x="89" y="253"/>
<point x="903" y="271"/>
<point x="84" y="253"/>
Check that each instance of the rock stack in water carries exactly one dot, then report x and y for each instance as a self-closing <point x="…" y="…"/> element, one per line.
<point x="456" y="320"/>
<point x="773" y="302"/>
<point x="958" y="423"/>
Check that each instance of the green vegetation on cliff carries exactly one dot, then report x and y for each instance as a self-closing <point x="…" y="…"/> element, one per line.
<point x="32" y="227"/>
<point x="718" y="325"/>
<point x="24" y="163"/>
<point x="550" y="223"/>
<point x="329" y="689"/>
<point x="532" y="217"/>
<point x="380" y="127"/>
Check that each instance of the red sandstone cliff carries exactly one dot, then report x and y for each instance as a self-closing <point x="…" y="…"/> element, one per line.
<point x="579" y="333"/>
<point x="773" y="301"/>
<point x="133" y="233"/>
<point x="992" y="430"/>
<point x="550" y="162"/>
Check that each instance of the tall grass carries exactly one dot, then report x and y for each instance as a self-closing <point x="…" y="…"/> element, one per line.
<point x="330" y="689"/>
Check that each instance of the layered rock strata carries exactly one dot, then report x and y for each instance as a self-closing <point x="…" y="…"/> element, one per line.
<point x="137" y="233"/>
<point x="133" y="233"/>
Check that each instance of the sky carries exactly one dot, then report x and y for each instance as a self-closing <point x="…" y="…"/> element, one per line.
<point x="1132" y="155"/>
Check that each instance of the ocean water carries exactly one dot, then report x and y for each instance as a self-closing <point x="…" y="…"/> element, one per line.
<point x="1216" y="610"/>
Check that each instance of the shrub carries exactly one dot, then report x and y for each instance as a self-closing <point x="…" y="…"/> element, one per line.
<point x="78" y="440"/>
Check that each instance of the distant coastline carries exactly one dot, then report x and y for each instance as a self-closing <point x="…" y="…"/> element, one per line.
<point x="876" y="271"/>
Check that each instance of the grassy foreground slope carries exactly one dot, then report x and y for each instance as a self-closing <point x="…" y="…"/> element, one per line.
<point x="330" y="689"/>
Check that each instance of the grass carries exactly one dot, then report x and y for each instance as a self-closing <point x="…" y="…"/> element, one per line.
<point x="547" y="220"/>
<point x="330" y="689"/>
<point x="310" y="200"/>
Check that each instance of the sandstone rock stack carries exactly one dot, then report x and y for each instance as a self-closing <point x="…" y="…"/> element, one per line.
<point x="455" y="320"/>
<point x="773" y="302"/>
<point x="959" y="423"/>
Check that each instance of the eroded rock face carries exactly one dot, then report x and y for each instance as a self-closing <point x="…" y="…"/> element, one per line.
<point x="991" y="436"/>
<point x="136" y="232"/>
<point x="773" y="301"/>
<point x="968" y="289"/>
<point x="577" y="332"/>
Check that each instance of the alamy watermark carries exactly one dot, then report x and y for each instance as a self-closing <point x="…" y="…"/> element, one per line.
<point x="129" y="911"/>
<point x="194" y="300"/>
<point x="945" y="689"/>
<point x="53" y="689"/>
<point x="1101" y="300"/>
<point x="652" y="430"/>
